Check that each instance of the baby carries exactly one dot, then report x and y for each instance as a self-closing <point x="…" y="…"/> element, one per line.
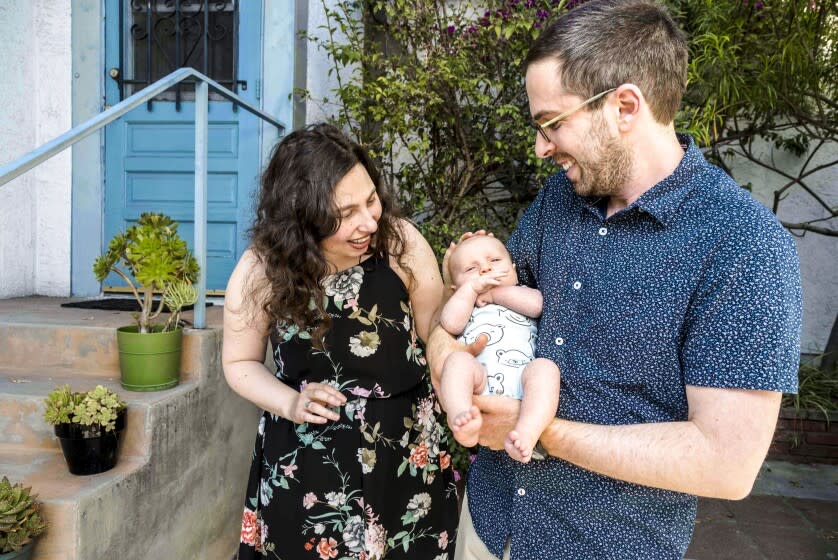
<point x="489" y="301"/>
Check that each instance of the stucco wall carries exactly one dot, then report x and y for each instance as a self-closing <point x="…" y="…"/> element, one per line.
<point x="35" y="98"/>
<point x="818" y="253"/>
<point x="320" y="83"/>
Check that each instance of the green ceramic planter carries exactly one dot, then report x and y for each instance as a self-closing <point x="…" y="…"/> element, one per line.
<point x="24" y="553"/>
<point x="150" y="361"/>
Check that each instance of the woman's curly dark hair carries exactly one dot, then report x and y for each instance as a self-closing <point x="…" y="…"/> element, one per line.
<point x="296" y="211"/>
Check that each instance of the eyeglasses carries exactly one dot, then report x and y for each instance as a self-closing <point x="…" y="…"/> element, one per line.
<point x="542" y="128"/>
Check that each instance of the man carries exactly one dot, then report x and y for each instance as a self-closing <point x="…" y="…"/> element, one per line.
<point x="672" y="306"/>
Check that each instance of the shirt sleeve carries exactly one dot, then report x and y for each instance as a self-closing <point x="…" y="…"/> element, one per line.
<point x="742" y="329"/>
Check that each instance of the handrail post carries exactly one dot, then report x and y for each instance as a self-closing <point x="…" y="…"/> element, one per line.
<point x="201" y="150"/>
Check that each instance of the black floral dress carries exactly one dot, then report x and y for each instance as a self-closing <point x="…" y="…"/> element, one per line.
<point x="377" y="483"/>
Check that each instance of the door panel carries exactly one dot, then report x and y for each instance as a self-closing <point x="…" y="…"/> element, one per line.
<point x="149" y="153"/>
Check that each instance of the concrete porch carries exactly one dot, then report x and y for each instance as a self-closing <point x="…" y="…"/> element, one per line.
<point x="178" y="487"/>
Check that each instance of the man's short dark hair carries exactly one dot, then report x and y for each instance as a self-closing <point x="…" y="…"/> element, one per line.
<point x="602" y="44"/>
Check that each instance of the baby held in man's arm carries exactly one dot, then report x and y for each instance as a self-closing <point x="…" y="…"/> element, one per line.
<point x="488" y="301"/>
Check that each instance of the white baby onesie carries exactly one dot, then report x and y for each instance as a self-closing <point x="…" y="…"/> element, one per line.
<point x="511" y="347"/>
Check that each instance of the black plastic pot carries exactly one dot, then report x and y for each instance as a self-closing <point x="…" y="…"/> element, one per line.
<point x="90" y="451"/>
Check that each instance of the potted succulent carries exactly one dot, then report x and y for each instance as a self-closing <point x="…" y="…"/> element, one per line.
<point x="88" y="424"/>
<point x="150" y="256"/>
<point x="20" y="521"/>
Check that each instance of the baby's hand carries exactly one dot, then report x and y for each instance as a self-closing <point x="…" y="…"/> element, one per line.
<point x="484" y="283"/>
<point x="485" y="298"/>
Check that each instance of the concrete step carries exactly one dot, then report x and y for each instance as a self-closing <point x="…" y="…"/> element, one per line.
<point x="64" y="497"/>
<point x="22" y="395"/>
<point x="89" y="351"/>
<point x="177" y="489"/>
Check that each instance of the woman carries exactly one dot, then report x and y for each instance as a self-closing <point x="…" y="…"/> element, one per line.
<point x="349" y="459"/>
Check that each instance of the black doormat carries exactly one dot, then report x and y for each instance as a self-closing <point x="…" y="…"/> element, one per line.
<point x="118" y="304"/>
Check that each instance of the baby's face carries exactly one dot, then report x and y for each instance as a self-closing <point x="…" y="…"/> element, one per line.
<point x="478" y="256"/>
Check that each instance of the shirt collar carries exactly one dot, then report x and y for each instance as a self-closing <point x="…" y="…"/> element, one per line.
<point x="663" y="200"/>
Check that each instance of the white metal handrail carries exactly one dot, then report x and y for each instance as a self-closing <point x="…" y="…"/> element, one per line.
<point x="39" y="155"/>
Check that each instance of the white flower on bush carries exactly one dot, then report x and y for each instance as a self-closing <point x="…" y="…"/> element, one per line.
<point x="319" y="529"/>
<point x="364" y="344"/>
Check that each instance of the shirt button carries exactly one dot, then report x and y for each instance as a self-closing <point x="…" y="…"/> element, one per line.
<point x="559" y="341"/>
<point x="603" y="230"/>
<point x="577" y="285"/>
<point x="521" y="491"/>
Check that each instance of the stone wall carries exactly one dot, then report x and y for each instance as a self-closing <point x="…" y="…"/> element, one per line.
<point x="809" y="436"/>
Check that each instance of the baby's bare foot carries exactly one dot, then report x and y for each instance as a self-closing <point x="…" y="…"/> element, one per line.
<point x="517" y="447"/>
<point x="466" y="426"/>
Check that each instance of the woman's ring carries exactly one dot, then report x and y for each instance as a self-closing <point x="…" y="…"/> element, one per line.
<point x="308" y="405"/>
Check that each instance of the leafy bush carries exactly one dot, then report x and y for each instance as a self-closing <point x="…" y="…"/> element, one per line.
<point x="436" y="91"/>
<point x="765" y="71"/>
<point x="20" y="519"/>
<point x="154" y="256"/>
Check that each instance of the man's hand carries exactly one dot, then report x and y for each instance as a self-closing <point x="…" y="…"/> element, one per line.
<point x="441" y="344"/>
<point x="499" y="417"/>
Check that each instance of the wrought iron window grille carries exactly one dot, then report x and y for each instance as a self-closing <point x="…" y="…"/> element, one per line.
<point x="159" y="36"/>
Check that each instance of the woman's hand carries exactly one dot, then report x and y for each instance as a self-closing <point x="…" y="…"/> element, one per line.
<point x="314" y="404"/>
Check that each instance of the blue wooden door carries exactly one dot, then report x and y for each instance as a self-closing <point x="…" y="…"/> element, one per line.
<point x="149" y="154"/>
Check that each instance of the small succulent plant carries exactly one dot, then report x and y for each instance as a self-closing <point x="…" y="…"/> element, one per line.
<point x="151" y="256"/>
<point x="20" y="520"/>
<point x="97" y="408"/>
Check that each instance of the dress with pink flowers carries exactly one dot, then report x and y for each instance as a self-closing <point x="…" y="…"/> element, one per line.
<point x="377" y="483"/>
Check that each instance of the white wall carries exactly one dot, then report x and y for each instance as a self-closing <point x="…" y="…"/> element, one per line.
<point x="320" y="83"/>
<point x="818" y="253"/>
<point x="36" y="106"/>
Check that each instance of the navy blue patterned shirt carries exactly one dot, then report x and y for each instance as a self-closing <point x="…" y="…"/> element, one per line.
<point x="695" y="283"/>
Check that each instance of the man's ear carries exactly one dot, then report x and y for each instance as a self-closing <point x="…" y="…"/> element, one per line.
<point x="629" y="101"/>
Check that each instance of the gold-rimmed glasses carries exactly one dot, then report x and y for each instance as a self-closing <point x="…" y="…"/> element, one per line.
<point x="541" y="128"/>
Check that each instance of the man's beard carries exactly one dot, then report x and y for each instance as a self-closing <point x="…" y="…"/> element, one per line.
<point x="608" y="168"/>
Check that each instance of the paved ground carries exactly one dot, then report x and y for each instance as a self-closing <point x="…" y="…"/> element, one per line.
<point x="792" y="514"/>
